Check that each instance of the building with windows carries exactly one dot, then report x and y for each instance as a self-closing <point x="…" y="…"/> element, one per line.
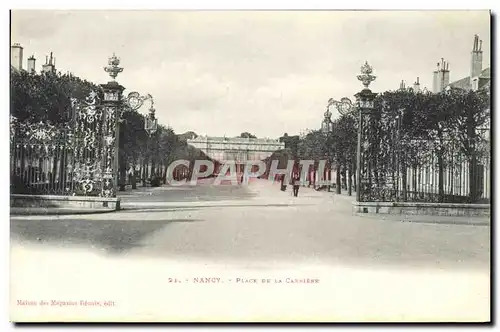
<point x="235" y="149"/>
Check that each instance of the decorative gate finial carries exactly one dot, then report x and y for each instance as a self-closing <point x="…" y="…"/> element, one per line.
<point x="366" y="76"/>
<point x="113" y="68"/>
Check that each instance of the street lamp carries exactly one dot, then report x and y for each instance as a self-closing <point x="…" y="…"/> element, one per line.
<point x="135" y="101"/>
<point x="345" y="108"/>
<point x="151" y="126"/>
<point x="365" y="104"/>
<point x="327" y="124"/>
<point x="150" y="122"/>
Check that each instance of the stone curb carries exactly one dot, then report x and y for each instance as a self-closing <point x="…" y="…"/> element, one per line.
<point x="15" y="211"/>
<point x="428" y="219"/>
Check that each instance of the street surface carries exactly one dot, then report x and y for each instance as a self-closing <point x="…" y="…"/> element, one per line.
<point x="201" y="254"/>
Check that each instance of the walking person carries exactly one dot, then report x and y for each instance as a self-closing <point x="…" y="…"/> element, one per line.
<point x="283" y="185"/>
<point x="296" y="184"/>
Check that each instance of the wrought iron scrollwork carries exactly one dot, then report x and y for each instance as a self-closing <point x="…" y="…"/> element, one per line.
<point x="344" y="106"/>
<point x="88" y="146"/>
<point x="135" y="101"/>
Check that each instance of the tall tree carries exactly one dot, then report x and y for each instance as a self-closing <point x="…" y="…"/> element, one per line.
<point x="470" y="118"/>
<point x="247" y="135"/>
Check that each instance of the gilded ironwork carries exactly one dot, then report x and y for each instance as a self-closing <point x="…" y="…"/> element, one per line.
<point x="135" y="101"/>
<point x="87" y="151"/>
<point x="366" y="76"/>
<point x="109" y="134"/>
<point x="113" y="68"/>
<point x="13" y="124"/>
<point x="344" y="106"/>
<point x="76" y="157"/>
<point x="88" y="176"/>
<point x="40" y="132"/>
<point x="367" y="173"/>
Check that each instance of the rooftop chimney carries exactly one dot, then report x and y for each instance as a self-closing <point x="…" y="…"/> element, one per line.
<point x="16" y="56"/>
<point x="31" y="64"/>
<point x="416" y="85"/>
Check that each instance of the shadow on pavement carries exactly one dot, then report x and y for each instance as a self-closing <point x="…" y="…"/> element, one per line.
<point x="204" y="192"/>
<point x="152" y="208"/>
<point x="156" y="209"/>
<point x="111" y="236"/>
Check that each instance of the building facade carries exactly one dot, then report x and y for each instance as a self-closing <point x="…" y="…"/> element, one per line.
<point x="237" y="150"/>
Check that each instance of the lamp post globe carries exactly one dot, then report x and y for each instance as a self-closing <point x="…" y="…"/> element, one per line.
<point x="151" y="123"/>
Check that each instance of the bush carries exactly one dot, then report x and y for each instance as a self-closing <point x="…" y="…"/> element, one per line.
<point x="155" y="181"/>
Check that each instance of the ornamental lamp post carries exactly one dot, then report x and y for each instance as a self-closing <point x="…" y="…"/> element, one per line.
<point x="151" y="126"/>
<point x="365" y="104"/>
<point x="327" y="124"/>
<point x="151" y="123"/>
<point x="135" y="101"/>
<point x="345" y="108"/>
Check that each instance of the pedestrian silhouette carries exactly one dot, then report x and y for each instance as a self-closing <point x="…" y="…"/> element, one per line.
<point x="283" y="184"/>
<point x="296" y="184"/>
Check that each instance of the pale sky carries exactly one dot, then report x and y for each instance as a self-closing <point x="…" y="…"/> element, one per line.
<point x="265" y="72"/>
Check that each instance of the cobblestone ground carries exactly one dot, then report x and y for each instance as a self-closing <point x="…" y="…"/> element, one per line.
<point x="147" y="260"/>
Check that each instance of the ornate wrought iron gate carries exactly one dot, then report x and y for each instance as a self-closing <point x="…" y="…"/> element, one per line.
<point x="77" y="158"/>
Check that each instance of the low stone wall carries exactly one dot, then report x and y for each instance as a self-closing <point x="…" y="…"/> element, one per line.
<point x="55" y="201"/>
<point x="434" y="209"/>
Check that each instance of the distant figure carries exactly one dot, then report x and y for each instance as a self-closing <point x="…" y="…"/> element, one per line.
<point x="296" y="184"/>
<point x="283" y="185"/>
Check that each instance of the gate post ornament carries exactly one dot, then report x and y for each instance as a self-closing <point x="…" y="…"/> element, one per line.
<point x="366" y="76"/>
<point x="113" y="68"/>
<point x="112" y="106"/>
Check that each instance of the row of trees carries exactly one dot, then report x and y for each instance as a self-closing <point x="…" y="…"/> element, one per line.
<point x="408" y="130"/>
<point x="148" y="157"/>
<point x="45" y="97"/>
<point x="443" y="131"/>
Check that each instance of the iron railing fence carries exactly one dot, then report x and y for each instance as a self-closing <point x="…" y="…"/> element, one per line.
<point x="428" y="171"/>
<point x="63" y="159"/>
